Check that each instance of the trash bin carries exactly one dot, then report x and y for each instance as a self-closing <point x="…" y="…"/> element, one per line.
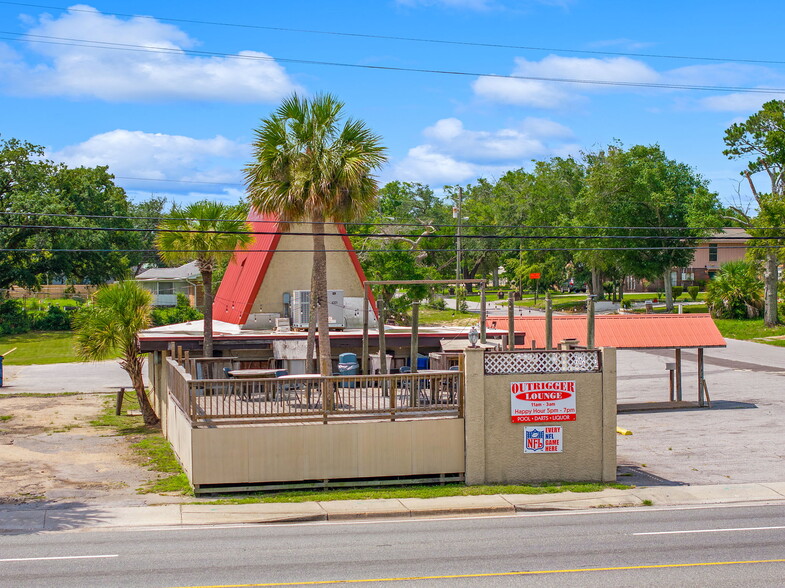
<point x="348" y="366"/>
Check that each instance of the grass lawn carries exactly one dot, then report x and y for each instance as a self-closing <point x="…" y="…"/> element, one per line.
<point x="750" y="329"/>
<point x="430" y="316"/>
<point x="149" y="444"/>
<point x="39" y="347"/>
<point x="413" y="492"/>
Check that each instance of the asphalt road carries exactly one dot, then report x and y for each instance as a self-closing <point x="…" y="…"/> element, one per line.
<point x="717" y="546"/>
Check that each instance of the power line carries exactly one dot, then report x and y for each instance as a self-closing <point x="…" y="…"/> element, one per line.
<point x="51" y="40"/>
<point x="380" y="235"/>
<point x="404" y="38"/>
<point x="344" y="250"/>
<point x="385" y="224"/>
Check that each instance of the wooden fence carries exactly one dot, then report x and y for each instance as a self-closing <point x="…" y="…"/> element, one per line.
<point x="314" y="398"/>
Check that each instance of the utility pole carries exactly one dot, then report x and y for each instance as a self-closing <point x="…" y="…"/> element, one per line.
<point x="458" y="213"/>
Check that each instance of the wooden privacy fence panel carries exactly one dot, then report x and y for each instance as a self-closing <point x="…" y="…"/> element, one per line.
<point x="542" y="362"/>
<point x="315" y="398"/>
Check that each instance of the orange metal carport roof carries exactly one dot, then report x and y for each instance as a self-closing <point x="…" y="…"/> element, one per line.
<point x="626" y="331"/>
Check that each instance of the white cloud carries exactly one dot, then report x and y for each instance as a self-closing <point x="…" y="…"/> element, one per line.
<point x="137" y="75"/>
<point x="455" y="154"/>
<point x="155" y="156"/>
<point x="544" y="94"/>
<point x="539" y="93"/>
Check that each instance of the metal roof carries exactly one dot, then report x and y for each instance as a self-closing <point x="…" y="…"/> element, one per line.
<point x="246" y="270"/>
<point x="188" y="271"/>
<point x="624" y="331"/>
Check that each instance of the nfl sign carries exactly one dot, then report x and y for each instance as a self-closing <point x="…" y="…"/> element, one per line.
<point x="537" y="402"/>
<point x="542" y="439"/>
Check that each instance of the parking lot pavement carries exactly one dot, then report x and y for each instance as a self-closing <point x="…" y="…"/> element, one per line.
<point x="740" y="439"/>
<point x="100" y="376"/>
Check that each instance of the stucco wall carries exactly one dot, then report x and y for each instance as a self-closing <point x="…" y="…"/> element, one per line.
<point x="292" y="271"/>
<point x="494" y="445"/>
<point x="179" y="433"/>
<point x="290" y="453"/>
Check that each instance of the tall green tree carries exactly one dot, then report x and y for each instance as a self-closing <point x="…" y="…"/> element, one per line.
<point x="641" y="187"/>
<point x="145" y="215"/>
<point x="44" y="218"/>
<point x="309" y="164"/>
<point x="110" y="324"/>
<point x="546" y="196"/>
<point x="760" y="140"/>
<point x="208" y="232"/>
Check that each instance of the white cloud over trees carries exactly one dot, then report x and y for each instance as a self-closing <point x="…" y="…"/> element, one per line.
<point x="135" y="60"/>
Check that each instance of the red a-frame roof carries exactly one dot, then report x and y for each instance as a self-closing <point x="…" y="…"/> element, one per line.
<point x="246" y="270"/>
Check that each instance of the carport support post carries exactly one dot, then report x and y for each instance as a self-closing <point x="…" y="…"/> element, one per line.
<point x="701" y="401"/>
<point x="511" y="323"/>
<point x="483" y="313"/>
<point x="590" y="322"/>
<point x="678" y="375"/>
<point x="364" y="358"/>
<point x="415" y="344"/>
<point x="382" y="348"/>
<point x="548" y="322"/>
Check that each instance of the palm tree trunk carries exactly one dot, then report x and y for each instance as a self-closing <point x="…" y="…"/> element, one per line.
<point x="133" y="367"/>
<point x="322" y="310"/>
<point x="207" y="282"/>
<point x="770" y="278"/>
<point x="310" y="344"/>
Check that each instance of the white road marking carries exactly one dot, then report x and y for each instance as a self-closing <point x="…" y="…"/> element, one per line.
<point x="710" y="530"/>
<point x="57" y="557"/>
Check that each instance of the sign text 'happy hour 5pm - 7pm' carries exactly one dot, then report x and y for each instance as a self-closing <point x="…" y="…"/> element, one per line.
<point x="536" y="402"/>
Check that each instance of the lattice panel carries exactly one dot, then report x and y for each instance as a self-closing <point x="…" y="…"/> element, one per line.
<point x="541" y="362"/>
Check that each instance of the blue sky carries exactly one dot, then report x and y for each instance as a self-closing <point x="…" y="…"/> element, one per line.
<point x="179" y="124"/>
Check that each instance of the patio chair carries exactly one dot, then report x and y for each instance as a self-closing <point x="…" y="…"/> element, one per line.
<point x="422" y="385"/>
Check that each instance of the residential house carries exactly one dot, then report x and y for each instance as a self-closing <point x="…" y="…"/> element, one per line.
<point x="166" y="283"/>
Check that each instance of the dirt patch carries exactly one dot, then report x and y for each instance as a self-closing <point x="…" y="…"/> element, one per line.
<point x="49" y="451"/>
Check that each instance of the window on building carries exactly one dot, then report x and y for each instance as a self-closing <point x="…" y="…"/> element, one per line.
<point x="711" y="275"/>
<point x="712" y="252"/>
<point x="165" y="288"/>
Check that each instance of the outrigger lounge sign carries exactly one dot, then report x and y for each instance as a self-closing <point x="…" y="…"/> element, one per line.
<point x="536" y="402"/>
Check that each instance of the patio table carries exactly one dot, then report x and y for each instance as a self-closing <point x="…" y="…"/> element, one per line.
<point x="252" y="373"/>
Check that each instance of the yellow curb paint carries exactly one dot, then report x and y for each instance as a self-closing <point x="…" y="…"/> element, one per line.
<point x="621" y="431"/>
<point x="498" y="574"/>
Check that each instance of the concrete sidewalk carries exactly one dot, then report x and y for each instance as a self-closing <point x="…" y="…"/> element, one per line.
<point x="30" y="518"/>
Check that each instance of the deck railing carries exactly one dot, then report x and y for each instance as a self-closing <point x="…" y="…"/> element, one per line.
<point x="316" y="398"/>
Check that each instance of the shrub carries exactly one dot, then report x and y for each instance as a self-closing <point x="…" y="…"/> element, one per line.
<point x="13" y="318"/>
<point x="55" y="318"/>
<point x="181" y="313"/>
<point x="677" y="291"/>
<point x="735" y="292"/>
<point x="436" y="304"/>
<point x="693" y="292"/>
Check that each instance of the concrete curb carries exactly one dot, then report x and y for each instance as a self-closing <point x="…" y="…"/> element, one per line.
<point x="19" y="519"/>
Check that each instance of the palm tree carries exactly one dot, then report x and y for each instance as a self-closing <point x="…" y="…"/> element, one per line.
<point x="110" y="324"/>
<point x="310" y="165"/>
<point x="209" y="232"/>
<point x="736" y="292"/>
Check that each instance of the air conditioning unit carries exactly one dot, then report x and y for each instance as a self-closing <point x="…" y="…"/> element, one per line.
<point x="301" y="305"/>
